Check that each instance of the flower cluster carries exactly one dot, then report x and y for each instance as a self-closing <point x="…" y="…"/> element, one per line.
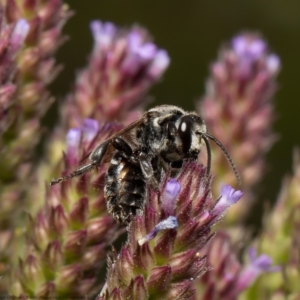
<point x="27" y="32"/>
<point x="237" y="107"/>
<point x="121" y="69"/>
<point x="162" y="257"/>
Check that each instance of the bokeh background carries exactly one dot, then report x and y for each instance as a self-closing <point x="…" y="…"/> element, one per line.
<point x="192" y="32"/>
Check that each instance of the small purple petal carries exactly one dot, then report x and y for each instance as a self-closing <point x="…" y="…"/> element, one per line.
<point x="146" y="51"/>
<point x="248" y="47"/>
<point x="19" y="33"/>
<point x="139" y="53"/>
<point x="256" y="267"/>
<point x="103" y="33"/>
<point x="73" y="140"/>
<point x="262" y="262"/>
<point x="252" y="254"/>
<point x="169" y="223"/>
<point x="90" y="129"/>
<point x="229" y="196"/>
<point x="170" y="195"/>
<point x="159" y="64"/>
<point x="21" y="29"/>
<point x="273" y="64"/>
<point x="73" y="137"/>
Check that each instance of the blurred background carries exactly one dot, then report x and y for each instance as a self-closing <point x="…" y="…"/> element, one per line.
<point x="192" y="32"/>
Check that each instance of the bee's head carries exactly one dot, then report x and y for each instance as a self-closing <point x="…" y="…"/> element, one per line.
<point x="191" y="129"/>
<point x="193" y="133"/>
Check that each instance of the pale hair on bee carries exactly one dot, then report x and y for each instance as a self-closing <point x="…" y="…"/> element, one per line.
<point x="164" y="136"/>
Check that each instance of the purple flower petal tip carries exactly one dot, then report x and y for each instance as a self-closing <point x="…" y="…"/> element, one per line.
<point x="21" y="29"/>
<point x="159" y="64"/>
<point x="73" y="137"/>
<point x="90" y="128"/>
<point x="170" y="194"/>
<point x="172" y="188"/>
<point x="262" y="262"/>
<point x="103" y="33"/>
<point x="90" y="124"/>
<point x="257" y="266"/>
<point x="169" y="223"/>
<point x="252" y="253"/>
<point x="231" y="195"/>
<point x="247" y="46"/>
<point x="145" y="50"/>
<point x="19" y="34"/>
<point x="273" y="63"/>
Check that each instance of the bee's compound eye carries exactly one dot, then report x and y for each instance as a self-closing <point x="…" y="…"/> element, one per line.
<point x="184" y="131"/>
<point x="183" y="127"/>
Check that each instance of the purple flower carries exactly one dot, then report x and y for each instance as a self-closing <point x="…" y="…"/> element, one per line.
<point x="87" y="132"/>
<point x="139" y="52"/>
<point x="257" y="266"/>
<point x="19" y="34"/>
<point x="159" y="64"/>
<point x="170" y="194"/>
<point x="137" y="46"/>
<point x="238" y="100"/>
<point x="123" y="65"/>
<point x="273" y="64"/>
<point x="90" y="128"/>
<point x="73" y="141"/>
<point x="169" y="223"/>
<point x="103" y="33"/>
<point x="248" y="47"/>
<point x="229" y="196"/>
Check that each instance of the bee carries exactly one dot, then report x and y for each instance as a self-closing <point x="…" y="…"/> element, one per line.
<point x="164" y="136"/>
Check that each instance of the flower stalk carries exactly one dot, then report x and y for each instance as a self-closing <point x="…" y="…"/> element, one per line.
<point x="238" y="109"/>
<point x="121" y="69"/>
<point x="27" y="29"/>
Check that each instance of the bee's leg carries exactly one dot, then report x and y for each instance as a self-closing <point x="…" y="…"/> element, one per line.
<point x="147" y="169"/>
<point x="171" y="131"/>
<point x="95" y="157"/>
<point x="121" y="145"/>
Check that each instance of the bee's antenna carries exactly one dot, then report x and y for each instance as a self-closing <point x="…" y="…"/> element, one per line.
<point x="208" y="149"/>
<point x="233" y="167"/>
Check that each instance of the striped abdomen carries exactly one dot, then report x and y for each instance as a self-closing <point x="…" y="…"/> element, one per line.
<point x="125" y="189"/>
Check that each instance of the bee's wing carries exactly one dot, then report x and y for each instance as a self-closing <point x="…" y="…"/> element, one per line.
<point x="127" y="133"/>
